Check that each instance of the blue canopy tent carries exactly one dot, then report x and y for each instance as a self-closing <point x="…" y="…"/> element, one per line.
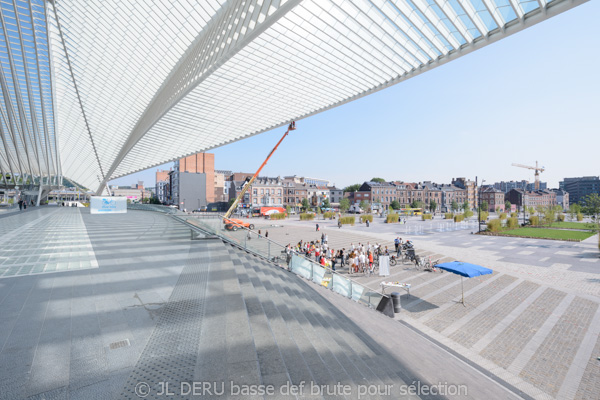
<point x="464" y="269"/>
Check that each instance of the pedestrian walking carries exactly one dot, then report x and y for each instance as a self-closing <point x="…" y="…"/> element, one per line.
<point x="266" y="234"/>
<point x="20" y="204"/>
<point x="317" y="230"/>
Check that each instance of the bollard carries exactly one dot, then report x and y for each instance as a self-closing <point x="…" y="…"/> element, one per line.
<point x="396" y="302"/>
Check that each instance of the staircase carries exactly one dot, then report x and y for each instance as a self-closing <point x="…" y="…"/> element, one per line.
<point x="253" y="323"/>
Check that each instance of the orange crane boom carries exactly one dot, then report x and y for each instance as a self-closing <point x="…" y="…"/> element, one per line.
<point x="249" y="183"/>
<point x="537" y="172"/>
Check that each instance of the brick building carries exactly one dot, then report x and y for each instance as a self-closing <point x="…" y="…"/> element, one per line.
<point x="494" y="197"/>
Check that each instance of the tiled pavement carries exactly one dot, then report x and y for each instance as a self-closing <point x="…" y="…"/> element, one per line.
<point x="532" y="331"/>
<point x="535" y="322"/>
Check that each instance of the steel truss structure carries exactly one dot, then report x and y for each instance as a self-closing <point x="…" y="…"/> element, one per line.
<point x="98" y="90"/>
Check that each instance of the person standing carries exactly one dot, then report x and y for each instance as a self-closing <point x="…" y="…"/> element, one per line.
<point x="333" y="263"/>
<point x="20" y="204"/>
<point x="317" y="229"/>
<point x="266" y="234"/>
<point x="396" y="243"/>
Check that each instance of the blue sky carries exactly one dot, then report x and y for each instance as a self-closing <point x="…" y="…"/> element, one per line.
<point x="532" y="96"/>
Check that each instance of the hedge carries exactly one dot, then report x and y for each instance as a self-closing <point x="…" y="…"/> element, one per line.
<point x="392" y="217"/>
<point x="468" y="214"/>
<point x="502" y="216"/>
<point x="513" y="215"/>
<point x="535" y="220"/>
<point x="425" y="217"/>
<point x="348" y="220"/>
<point x="449" y="215"/>
<point x="328" y="215"/>
<point x="484" y="215"/>
<point x="494" y="225"/>
<point x="307" y="217"/>
<point x="579" y="217"/>
<point x="512" y="223"/>
<point x="278" y="216"/>
<point x="364" y="218"/>
<point x="459" y="217"/>
<point x="560" y="217"/>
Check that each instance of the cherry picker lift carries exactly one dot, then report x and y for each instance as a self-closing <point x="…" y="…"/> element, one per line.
<point x="233" y="224"/>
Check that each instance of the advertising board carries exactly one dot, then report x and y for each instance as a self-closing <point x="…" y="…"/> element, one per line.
<point x="108" y="205"/>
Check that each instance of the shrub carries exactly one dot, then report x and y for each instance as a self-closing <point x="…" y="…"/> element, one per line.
<point x="535" y="220"/>
<point x="307" y="217"/>
<point x="425" y="217"/>
<point x="328" y="215"/>
<point x="449" y="215"/>
<point x="278" y="216"/>
<point x="468" y="214"/>
<point x="459" y="217"/>
<point x="392" y="217"/>
<point x="560" y="217"/>
<point x="348" y="220"/>
<point x="364" y="218"/>
<point x="494" y="225"/>
<point x="502" y="216"/>
<point x="512" y="223"/>
<point x="513" y="215"/>
<point x="484" y="215"/>
<point x="579" y="217"/>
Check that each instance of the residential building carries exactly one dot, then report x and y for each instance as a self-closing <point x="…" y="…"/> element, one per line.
<point x="579" y="188"/>
<point x="134" y="192"/>
<point x="162" y="186"/>
<point x="335" y="196"/>
<point x="562" y="198"/>
<point x="534" y="198"/>
<point x="452" y="194"/>
<point x="220" y="187"/>
<point x="494" y="197"/>
<point x="187" y="190"/>
<point x="381" y="194"/>
<point x="317" y="194"/>
<point x="471" y="188"/>
<point x="200" y="163"/>
<point x="267" y="192"/>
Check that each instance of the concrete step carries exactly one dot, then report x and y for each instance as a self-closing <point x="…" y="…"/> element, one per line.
<point x="354" y="354"/>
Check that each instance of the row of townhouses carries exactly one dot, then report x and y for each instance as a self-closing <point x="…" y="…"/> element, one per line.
<point x="193" y="182"/>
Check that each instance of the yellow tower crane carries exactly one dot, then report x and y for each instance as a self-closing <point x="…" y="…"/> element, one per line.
<point x="537" y="172"/>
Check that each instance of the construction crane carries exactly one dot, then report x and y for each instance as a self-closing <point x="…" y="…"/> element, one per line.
<point x="235" y="223"/>
<point x="537" y="172"/>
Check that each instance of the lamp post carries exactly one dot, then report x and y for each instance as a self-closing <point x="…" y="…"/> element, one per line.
<point x="479" y="205"/>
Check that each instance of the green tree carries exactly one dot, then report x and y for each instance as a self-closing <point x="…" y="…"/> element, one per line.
<point x="288" y="209"/>
<point x="394" y="205"/>
<point x="352" y="188"/>
<point x="432" y="206"/>
<point x="344" y="205"/>
<point x="417" y="204"/>
<point x="454" y="206"/>
<point x="574" y="209"/>
<point x="507" y="206"/>
<point x="365" y="206"/>
<point x="498" y="209"/>
<point x="326" y="203"/>
<point x="378" y="180"/>
<point x="484" y="205"/>
<point x="305" y="204"/>
<point x="592" y="206"/>
<point x="466" y="206"/>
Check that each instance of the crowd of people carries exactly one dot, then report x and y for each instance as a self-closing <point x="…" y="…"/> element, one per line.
<point x="361" y="258"/>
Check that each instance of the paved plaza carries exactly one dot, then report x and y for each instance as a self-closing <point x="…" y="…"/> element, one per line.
<point x="135" y="312"/>
<point x="535" y="322"/>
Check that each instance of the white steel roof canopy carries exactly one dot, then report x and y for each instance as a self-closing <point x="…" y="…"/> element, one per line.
<point x="134" y="86"/>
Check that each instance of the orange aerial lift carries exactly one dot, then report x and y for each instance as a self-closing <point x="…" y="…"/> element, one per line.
<point x="234" y="224"/>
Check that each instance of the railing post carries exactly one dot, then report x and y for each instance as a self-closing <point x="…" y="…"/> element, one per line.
<point x="269" y="248"/>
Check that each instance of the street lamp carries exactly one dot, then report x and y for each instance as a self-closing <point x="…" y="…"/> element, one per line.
<point x="479" y="205"/>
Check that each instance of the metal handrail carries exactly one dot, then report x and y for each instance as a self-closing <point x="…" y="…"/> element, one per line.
<point x="269" y="258"/>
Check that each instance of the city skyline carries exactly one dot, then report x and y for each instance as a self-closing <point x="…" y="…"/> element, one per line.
<point x="430" y="127"/>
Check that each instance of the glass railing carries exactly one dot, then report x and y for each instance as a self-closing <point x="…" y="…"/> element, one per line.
<point x="251" y="241"/>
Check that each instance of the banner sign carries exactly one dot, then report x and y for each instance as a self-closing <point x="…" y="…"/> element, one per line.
<point x="108" y="205"/>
